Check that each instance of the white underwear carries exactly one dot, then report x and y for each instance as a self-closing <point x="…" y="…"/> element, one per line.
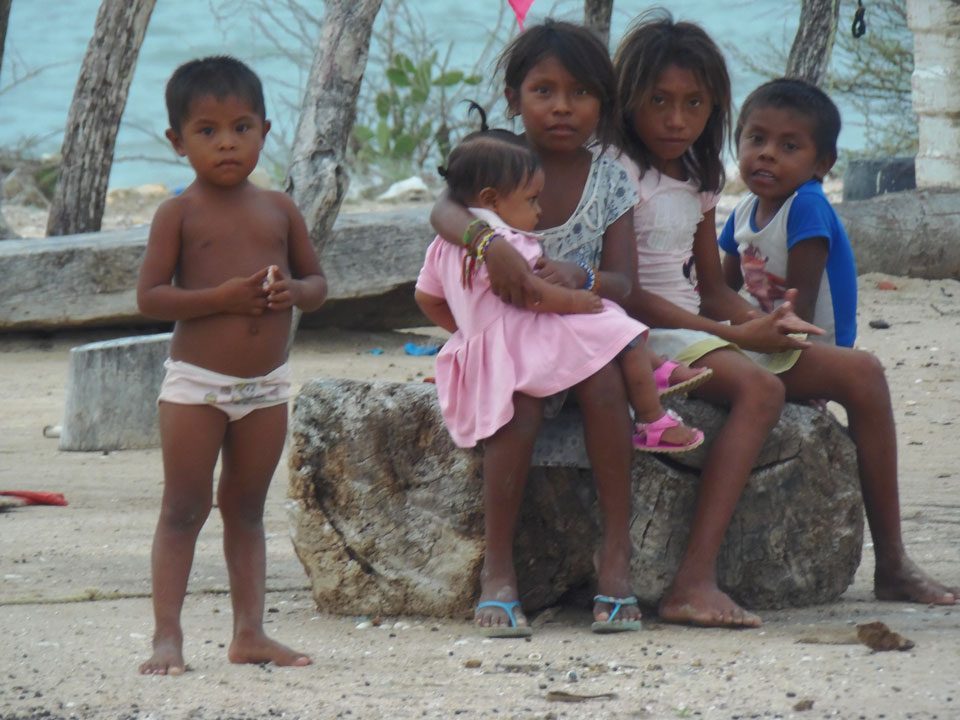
<point x="186" y="384"/>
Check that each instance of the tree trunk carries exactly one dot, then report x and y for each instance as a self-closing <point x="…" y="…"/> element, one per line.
<point x="810" y="54"/>
<point x="5" y="231"/>
<point x="98" y="103"/>
<point x="596" y="16"/>
<point x="317" y="179"/>
<point x="936" y="90"/>
<point x="4" y="19"/>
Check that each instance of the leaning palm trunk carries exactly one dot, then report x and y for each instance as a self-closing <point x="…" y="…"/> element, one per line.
<point x="596" y="16"/>
<point x="317" y="179"/>
<point x="94" y="119"/>
<point x="813" y="44"/>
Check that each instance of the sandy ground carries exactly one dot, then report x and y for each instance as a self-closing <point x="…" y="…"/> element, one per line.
<point x="75" y="615"/>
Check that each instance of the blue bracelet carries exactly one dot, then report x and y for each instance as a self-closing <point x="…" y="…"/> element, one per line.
<point x="591" y="275"/>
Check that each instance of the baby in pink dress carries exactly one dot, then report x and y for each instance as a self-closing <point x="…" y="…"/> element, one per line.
<point x="497" y="349"/>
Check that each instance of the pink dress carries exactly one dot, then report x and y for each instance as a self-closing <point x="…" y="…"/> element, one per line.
<point x="499" y="349"/>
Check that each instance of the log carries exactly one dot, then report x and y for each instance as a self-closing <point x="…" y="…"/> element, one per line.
<point x="371" y="260"/>
<point x="112" y="390"/>
<point x="386" y="511"/>
<point x="906" y="233"/>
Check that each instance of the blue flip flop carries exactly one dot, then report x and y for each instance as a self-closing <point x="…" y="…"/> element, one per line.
<point x="505" y="631"/>
<point x="611" y="624"/>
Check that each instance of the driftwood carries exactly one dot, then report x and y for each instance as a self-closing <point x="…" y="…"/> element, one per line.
<point x="906" y="233"/>
<point x="387" y="516"/>
<point x="94" y="119"/>
<point x="89" y="280"/>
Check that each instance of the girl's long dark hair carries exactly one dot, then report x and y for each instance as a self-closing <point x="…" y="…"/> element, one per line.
<point x="651" y="45"/>
<point x="584" y="56"/>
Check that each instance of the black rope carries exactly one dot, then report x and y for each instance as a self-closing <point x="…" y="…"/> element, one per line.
<point x="859" y="26"/>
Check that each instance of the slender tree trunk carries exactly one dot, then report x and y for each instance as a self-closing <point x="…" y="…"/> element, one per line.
<point x="317" y="179"/>
<point x="98" y="103"/>
<point x="4" y="19"/>
<point x="5" y="231"/>
<point x="810" y="54"/>
<point x="596" y="16"/>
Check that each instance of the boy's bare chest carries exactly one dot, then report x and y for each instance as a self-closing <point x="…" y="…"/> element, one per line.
<point x="236" y="243"/>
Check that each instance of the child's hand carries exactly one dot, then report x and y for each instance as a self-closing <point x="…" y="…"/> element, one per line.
<point x="584" y="301"/>
<point x="244" y="296"/>
<point x="281" y="291"/>
<point x="560" y="273"/>
<point x="510" y="276"/>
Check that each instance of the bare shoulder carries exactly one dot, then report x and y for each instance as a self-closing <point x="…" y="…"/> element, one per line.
<point x="282" y="201"/>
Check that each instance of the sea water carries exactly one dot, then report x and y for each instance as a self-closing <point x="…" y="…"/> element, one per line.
<point x="46" y="42"/>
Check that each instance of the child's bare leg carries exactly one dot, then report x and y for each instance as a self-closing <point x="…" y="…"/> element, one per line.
<point x="506" y="463"/>
<point x="251" y="449"/>
<point x="857" y="381"/>
<point x="191" y="437"/>
<point x="607" y="431"/>
<point x="755" y="400"/>
<point x="642" y="392"/>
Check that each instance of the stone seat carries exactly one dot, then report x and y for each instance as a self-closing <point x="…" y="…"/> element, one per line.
<point x="387" y="516"/>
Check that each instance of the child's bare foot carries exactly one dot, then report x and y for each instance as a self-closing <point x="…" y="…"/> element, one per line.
<point x="908" y="583"/>
<point x="672" y="377"/>
<point x="584" y="301"/>
<point x="499" y="590"/>
<point x="706" y="606"/>
<point x="666" y="434"/>
<point x="258" y="648"/>
<point x="167" y="658"/>
<point x="613" y="580"/>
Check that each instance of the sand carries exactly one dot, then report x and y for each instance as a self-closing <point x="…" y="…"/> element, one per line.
<point x="75" y="614"/>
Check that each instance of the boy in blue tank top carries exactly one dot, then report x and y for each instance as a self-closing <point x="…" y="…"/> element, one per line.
<point x="785" y="234"/>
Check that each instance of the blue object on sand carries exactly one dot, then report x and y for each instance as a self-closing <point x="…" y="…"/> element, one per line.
<point x="376" y="351"/>
<point x="414" y="349"/>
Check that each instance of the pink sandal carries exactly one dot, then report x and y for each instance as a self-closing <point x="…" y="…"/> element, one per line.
<point x="662" y="377"/>
<point x="648" y="435"/>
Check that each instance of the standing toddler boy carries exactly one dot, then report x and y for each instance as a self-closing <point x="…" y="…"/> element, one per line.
<point x="226" y="261"/>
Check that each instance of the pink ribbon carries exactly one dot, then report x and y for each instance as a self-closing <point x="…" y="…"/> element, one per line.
<point x="520" y="8"/>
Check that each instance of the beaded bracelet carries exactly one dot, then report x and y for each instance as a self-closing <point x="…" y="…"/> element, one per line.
<point x="483" y="243"/>
<point x="591" y="280"/>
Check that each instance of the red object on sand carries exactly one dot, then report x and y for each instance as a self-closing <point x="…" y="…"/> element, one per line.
<point x="34" y="497"/>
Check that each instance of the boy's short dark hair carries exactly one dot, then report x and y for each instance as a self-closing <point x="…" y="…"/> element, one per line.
<point x="493" y="158"/>
<point x="803" y="98"/>
<point x="220" y="76"/>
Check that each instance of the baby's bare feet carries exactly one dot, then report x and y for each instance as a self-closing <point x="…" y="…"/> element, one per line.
<point x="908" y="583"/>
<point x="706" y="606"/>
<point x="258" y="648"/>
<point x="167" y="658"/>
<point x="584" y="301"/>
<point x="679" y="435"/>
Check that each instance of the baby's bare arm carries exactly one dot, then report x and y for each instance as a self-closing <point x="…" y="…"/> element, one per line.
<point x="158" y="298"/>
<point x="563" y="300"/>
<point x="436" y="309"/>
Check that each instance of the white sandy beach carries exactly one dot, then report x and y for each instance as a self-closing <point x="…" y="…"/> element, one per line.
<point x="75" y="616"/>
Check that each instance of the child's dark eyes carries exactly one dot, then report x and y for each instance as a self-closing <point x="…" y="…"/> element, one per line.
<point x="242" y="127"/>
<point x="789" y="146"/>
<point x="696" y="102"/>
<point x="208" y="131"/>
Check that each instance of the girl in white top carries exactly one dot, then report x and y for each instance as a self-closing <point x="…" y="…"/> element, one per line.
<point x="675" y="97"/>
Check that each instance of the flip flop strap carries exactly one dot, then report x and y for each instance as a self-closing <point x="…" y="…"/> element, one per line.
<point x="616" y="602"/>
<point x="507" y="607"/>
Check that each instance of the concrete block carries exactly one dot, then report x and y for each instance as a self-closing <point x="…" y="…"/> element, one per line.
<point x="112" y="390"/>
